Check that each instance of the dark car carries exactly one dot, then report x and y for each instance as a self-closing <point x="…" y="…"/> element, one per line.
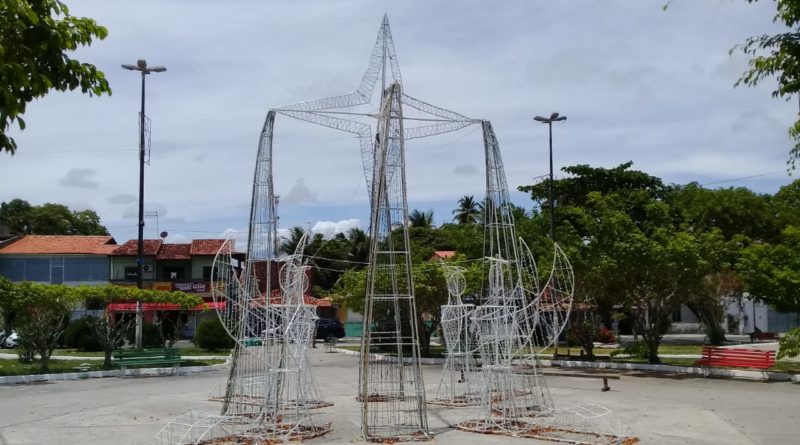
<point x="329" y="328"/>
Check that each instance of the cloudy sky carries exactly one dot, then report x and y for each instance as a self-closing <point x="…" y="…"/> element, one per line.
<point x="637" y="84"/>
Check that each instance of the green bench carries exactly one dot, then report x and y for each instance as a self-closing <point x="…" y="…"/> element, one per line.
<point x="147" y="357"/>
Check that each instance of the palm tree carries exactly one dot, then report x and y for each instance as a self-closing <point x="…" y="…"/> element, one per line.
<point x="468" y="211"/>
<point x="358" y="245"/>
<point x="289" y="244"/>
<point x="421" y="219"/>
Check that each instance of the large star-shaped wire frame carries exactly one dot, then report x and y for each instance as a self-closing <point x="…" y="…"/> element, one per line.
<point x="383" y="64"/>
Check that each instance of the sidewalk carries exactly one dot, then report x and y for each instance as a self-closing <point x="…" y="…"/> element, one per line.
<point x="14" y="356"/>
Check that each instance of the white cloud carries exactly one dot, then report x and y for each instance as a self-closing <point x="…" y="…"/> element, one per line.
<point x="637" y="83"/>
<point x="330" y="228"/>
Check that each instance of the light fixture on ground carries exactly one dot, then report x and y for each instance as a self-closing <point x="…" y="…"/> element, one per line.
<point x="141" y="66"/>
<point x="554" y="117"/>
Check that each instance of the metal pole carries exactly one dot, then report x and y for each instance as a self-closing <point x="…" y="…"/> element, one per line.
<point x="140" y="248"/>
<point x="552" y="209"/>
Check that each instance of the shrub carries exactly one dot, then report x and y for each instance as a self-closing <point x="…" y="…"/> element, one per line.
<point x="790" y="344"/>
<point x="211" y="335"/>
<point x="78" y="335"/>
<point x="151" y="336"/>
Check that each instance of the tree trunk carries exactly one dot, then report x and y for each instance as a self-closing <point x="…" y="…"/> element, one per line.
<point x="652" y="347"/>
<point x="107" y="352"/>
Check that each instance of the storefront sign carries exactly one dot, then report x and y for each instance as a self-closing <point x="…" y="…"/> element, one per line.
<point x="201" y="286"/>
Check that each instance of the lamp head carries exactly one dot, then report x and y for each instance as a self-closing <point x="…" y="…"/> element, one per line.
<point x="541" y="119"/>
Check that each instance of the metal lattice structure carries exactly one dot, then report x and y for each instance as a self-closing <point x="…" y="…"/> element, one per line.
<point x="270" y="390"/>
<point x="460" y="384"/>
<point x="391" y="389"/>
<point x="509" y="324"/>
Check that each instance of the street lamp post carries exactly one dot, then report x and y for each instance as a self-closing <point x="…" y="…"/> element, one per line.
<point x="554" y="117"/>
<point x="141" y="66"/>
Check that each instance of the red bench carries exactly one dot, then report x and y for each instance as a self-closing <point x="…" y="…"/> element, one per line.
<point x="737" y="357"/>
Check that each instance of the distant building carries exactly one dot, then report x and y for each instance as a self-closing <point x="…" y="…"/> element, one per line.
<point x="57" y="259"/>
<point x="442" y="255"/>
<point x="184" y="267"/>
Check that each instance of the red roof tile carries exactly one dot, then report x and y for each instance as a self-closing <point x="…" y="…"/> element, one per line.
<point x="209" y="246"/>
<point x="130" y="248"/>
<point x="59" y="244"/>
<point x="442" y="254"/>
<point x="174" y="252"/>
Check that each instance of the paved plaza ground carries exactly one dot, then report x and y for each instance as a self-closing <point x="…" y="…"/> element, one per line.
<point x="660" y="410"/>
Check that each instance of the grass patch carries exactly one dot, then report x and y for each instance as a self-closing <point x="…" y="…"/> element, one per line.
<point x="15" y="367"/>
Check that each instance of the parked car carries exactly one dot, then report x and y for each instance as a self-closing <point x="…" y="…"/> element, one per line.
<point x="329" y="328"/>
<point x="12" y="341"/>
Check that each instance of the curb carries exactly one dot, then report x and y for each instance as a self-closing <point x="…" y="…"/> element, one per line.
<point x="739" y="374"/>
<point x="140" y="372"/>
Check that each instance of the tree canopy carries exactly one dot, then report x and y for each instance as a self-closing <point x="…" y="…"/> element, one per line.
<point x="36" y="38"/>
<point x="21" y="218"/>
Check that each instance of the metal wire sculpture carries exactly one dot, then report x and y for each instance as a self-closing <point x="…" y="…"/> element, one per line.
<point x="460" y="383"/>
<point x="391" y="389"/>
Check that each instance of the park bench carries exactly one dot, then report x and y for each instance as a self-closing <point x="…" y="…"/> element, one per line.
<point x="737" y="357"/>
<point x="592" y="375"/>
<point x="605" y="377"/>
<point x="147" y="357"/>
<point x="763" y="336"/>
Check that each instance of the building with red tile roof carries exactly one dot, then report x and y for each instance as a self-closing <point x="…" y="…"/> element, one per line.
<point x="57" y="259"/>
<point x="174" y="252"/>
<point x="210" y="246"/>
<point x="442" y="255"/>
<point x="59" y="245"/>
<point x="131" y="247"/>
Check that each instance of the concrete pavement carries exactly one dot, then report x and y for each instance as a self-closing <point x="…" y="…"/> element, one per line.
<point x="663" y="411"/>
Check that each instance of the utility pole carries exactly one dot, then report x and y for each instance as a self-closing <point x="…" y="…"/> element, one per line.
<point x="554" y="117"/>
<point x="141" y="66"/>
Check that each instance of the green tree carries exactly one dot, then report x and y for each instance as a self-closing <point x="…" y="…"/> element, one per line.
<point x="771" y="272"/>
<point x="421" y="219"/>
<point x="36" y="38"/>
<point x="43" y="316"/>
<point x="110" y="333"/>
<point x="49" y="219"/>
<point x="468" y="211"/>
<point x="9" y="307"/>
<point x="777" y="56"/>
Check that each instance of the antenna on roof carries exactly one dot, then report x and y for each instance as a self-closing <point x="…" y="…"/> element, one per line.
<point x="163" y="235"/>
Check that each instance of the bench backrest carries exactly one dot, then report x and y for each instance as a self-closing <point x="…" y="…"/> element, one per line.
<point x="753" y="358"/>
<point x="147" y="353"/>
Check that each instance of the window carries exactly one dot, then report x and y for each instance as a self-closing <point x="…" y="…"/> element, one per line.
<point x="206" y="273"/>
<point x="130" y="273"/>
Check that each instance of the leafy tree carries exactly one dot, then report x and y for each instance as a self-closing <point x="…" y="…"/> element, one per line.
<point x="771" y="272"/>
<point x="211" y="335"/>
<point x="79" y="335"/>
<point x="43" y="316"/>
<point x="110" y="333"/>
<point x="734" y="211"/>
<point x="790" y="344"/>
<point x="9" y="307"/>
<point x="290" y="243"/>
<point x="469" y="211"/>
<point x="36" y="38"/>
<point x="421" y="219"/>
<point x="358" y="245"/>
<point x="584" y="179"/>
<point x="49" y="219"/>
<point x="777" y="56"/>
